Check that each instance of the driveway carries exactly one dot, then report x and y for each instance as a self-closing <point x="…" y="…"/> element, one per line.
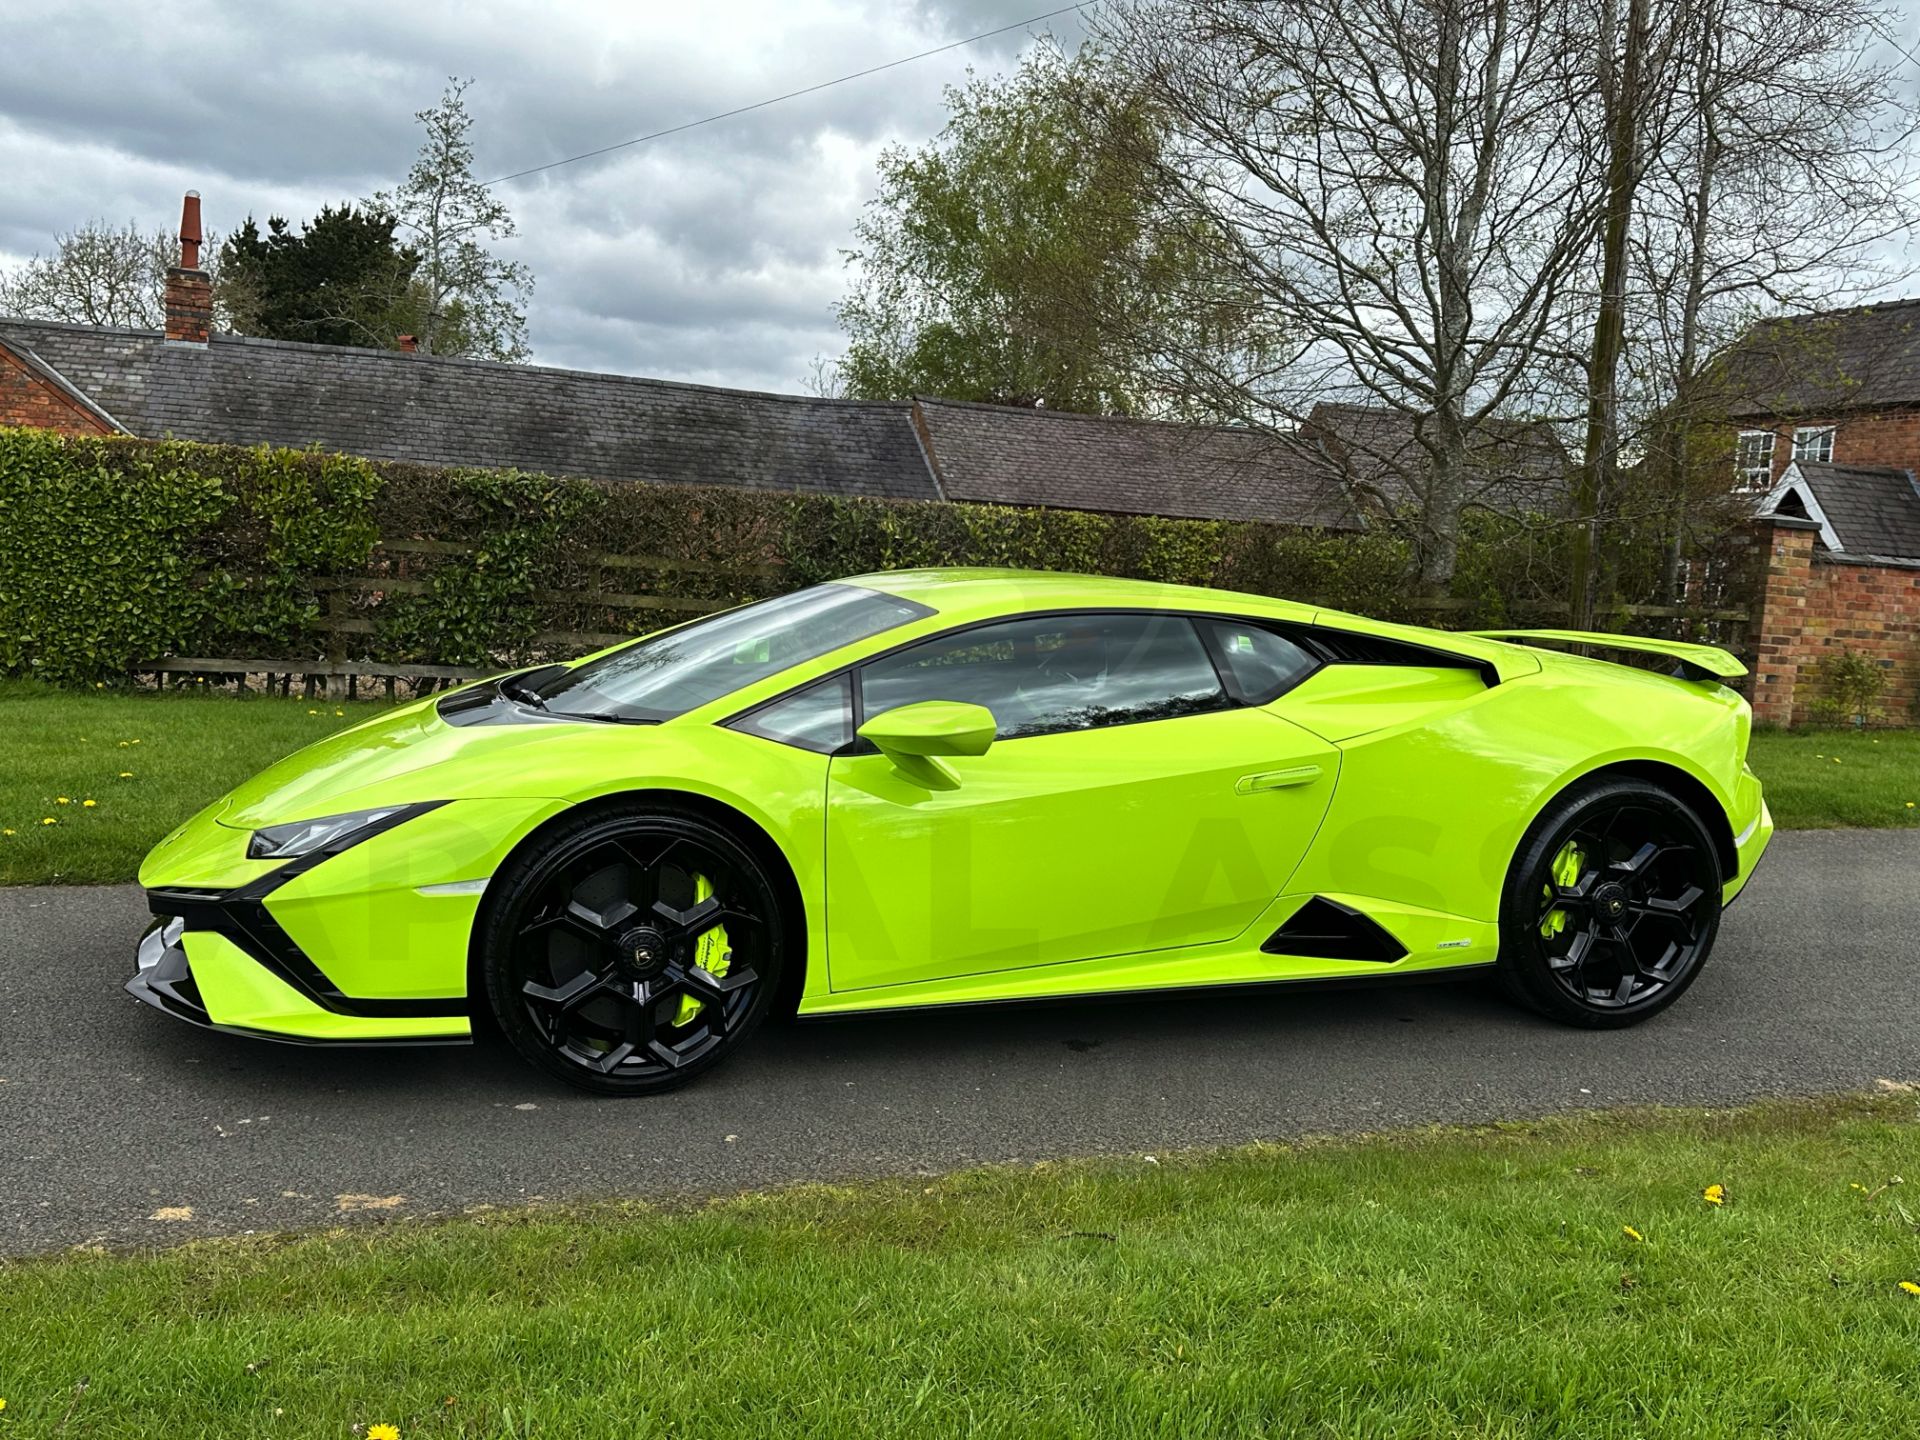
<point x="120" y="1126"/>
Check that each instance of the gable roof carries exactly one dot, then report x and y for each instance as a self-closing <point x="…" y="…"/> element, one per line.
<point x="1864" y="511"/>
<point x="1861" y="358"/>
<point x="1517" y="465"/>
<point x="1007" y="455"/>
<point x="389" y="405"/>
<point x="46" y="374"/>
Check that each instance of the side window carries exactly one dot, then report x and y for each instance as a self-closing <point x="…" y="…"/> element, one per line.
<point x="818" y="718"/>
<point x="1057" y="672"/>
<point x="1264" y="663"/>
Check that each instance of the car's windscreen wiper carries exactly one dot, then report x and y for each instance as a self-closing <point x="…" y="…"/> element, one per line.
<point x="604" y="717"/>
<point x="513" y="689"/>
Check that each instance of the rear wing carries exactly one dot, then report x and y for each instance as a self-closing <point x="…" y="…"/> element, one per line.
<point x="1697" y="662"/>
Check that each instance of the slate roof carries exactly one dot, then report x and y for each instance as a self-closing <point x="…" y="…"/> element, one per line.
<point x="1517" y="465"/>
<point x="1006" y="455"/>
<point x="1872" y="511"/>
<point x="1862" y="358"/>
<point x="388" y="405"/>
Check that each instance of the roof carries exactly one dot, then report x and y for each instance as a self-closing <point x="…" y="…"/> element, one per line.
<point x="1861" y="358"/>
<point x="1517" y="465"/>
<point x="1864" y="511"/>
<point x="1006" y="455"/>
<point x="58" y="382"/>
<point x="389" y="405"/>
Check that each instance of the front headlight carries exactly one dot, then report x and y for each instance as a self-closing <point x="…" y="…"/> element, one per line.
<point x="329" y="833"/>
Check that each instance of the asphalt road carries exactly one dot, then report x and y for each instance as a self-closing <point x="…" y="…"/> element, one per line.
<point x="120" y="1126"/>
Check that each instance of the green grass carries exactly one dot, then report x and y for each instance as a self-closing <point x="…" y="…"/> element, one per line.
<point x="1447" y="1283"/>
<point x="184" y="750"/>
<point x="1817" y="779"/>
<point x="147" y="761"/>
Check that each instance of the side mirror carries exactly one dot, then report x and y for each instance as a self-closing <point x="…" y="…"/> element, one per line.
<point x="914" y="736"/>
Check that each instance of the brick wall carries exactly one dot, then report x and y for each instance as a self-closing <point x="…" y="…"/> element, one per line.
<point x="1889" y="437"/>
<point x="1812" y="604"/>
<point x="26" y="398"/>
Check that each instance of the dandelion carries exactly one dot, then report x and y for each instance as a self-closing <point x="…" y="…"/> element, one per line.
<point x="383" y="1432"/>
<point x="61" y="800"/>
<point x="1631" y="1233"/>
<point x="1714" y="1194"/>
<point x="88" y="804"/>
<point x="125" y="743"/>
<point x="6" y="832"/>
<point x="339" y="712"/>
<point x="133" y="742"/>
<point x="316" y="712"/>
<point x="1910" y="1287"/>
<point x="49" y="820"/>
<point x="126" y="774"/>
<point x="1856" y="1185"/>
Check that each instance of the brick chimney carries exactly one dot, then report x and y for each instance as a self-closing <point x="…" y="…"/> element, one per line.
<point x="410" y="343"/>
<point x="189" y="300"/>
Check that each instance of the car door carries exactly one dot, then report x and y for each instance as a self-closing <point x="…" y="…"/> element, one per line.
<point x="1132" y="800"/>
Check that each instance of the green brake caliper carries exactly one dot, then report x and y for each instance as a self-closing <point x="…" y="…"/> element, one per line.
<point x="710" y="953"/>
<point x="1565" y="871"/>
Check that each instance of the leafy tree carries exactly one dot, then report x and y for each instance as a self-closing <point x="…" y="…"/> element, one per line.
<point x="462" y="299"/>
<point x="1019" y="258"/>
<point x="97" y="275"/>
<point x="338" y="280"/>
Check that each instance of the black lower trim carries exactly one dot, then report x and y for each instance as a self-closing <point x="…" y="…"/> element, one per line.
<point x="1309" y="984"/>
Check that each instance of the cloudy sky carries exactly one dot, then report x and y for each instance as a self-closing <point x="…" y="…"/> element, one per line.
<point x="711" y="256"/>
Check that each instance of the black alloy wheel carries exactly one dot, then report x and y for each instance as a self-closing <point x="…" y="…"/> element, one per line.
<point x="1612" y="905"/>
<point x="632" y="950"/>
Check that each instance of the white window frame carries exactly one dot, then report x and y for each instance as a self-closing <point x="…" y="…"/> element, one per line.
<point x="1754" y="474"/>
<point x="1814" y="443"/>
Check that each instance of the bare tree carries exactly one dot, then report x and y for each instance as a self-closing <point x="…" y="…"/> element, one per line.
<point x="97" y="275"/>
<point x="1402" y="189"/>
<point x="466" y="300"/>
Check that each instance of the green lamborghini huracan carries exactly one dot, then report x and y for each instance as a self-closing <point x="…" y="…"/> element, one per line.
<point x="950" y="787"/>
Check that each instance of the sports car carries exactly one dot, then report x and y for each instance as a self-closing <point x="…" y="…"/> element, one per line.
<point x="949" y="787"/>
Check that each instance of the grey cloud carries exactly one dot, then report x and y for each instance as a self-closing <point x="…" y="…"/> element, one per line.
<point x="710" y="255"/>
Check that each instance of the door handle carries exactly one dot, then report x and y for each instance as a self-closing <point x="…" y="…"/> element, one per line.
<point x="1277" y="779"/>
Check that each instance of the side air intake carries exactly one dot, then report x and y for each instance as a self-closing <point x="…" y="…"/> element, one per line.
<point x="1327" y="930"/>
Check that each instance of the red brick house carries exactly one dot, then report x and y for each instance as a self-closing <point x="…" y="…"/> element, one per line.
<point x="1827" y="410"/>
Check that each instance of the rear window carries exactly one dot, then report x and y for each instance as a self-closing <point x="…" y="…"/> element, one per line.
<point x="680" y="670"/>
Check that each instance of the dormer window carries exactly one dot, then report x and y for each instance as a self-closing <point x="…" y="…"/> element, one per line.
<point x="1815" y="443"/>
<point x="1753" y="460"/>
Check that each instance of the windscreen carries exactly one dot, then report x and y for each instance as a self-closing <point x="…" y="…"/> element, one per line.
<point x="680" y="670"/>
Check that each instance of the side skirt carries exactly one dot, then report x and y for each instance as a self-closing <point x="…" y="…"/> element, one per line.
<point x="1437" y="975"/>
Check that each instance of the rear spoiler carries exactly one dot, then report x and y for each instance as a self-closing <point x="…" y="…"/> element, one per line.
<point x="1696" y="662"/>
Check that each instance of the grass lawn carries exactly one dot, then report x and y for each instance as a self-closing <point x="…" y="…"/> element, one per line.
<point x="183" y="750"/>
<point x="146" y="761"/>
<point x="1821" y="778"/>
<point x="1563" y="1278"/>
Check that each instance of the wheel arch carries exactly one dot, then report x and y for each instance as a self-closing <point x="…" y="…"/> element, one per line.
<point x="1685" y="786"/>
<point x="737" y="823"/>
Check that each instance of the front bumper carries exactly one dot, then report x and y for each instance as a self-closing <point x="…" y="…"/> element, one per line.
<point x="368" y="945"/>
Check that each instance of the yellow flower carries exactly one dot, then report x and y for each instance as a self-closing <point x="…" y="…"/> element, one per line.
<point x="61" y="800"/>
<point x="6" y="832"/>
<point x="383" y="1432"/>
<point x="125" y="743"/>
<point x="1856" y="1185"/>
<point x="316" y="712"/>
<point x="339" y="712"/>
<point x="1714" y="1194"/>
<point x="133" y="742"/>
<point x="88" y="804"/>
<point x="126" y="774"/>
<point x="49" y="820"/>
<point x="1910" y="1287"/>
<point x="1631" y="1233"/>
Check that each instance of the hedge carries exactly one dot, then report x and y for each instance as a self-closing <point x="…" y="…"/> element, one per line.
<point x="117" y="551"/>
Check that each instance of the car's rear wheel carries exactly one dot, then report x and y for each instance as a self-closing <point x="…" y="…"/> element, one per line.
<point x="632" y="949"/>
<point x="1611" y="906"/>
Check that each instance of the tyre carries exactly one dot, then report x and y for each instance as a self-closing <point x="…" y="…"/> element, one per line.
<point x="631" y="949"/>
<point x="1611" y="906"/>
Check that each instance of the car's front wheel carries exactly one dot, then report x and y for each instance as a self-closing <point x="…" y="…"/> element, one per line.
<point x="1611" y="906"/>
<point x="631" y="949"/>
